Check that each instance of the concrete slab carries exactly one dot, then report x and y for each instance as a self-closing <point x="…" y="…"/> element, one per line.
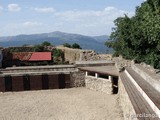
<point x="109" y="70"/>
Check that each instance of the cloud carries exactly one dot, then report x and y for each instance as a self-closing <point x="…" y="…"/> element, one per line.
<point x="91" y="21"/>
<point x="28" y="27"/>
<point x="32" y="24"/>
<point x="14" y="7"/>
<point x="109" y="13"/>
<point x="87" y="22"/>
<point x="45" y="10"/>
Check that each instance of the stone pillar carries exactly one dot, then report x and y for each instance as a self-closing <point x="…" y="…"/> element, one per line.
<point x="96" y="75"/>
<point x="110" y="77"/>
<point x="86" y="73"/>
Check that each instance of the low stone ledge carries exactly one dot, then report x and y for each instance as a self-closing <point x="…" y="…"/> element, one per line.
<point x="99" y="84"/>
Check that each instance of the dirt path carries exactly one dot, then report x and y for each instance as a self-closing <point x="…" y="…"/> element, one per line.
<point x="66" y="104"/>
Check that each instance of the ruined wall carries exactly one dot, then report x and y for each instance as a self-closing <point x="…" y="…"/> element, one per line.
<point x="98" y="84"/>
<point x="125" y="103"/>
<point x="89" y="55"/>
<point x="72" y="55"/>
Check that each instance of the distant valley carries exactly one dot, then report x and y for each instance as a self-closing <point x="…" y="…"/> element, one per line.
<point x="58" y="38"/>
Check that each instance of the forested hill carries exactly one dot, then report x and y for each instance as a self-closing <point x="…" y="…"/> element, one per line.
<point x="58" y="38"/>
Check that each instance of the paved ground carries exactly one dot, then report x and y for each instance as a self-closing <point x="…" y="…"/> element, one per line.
<point x="66" y="104"/>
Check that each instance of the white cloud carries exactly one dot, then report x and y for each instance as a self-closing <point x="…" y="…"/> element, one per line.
<point x="23" y="28"/>
<point x="45" y="10"/>
<point x="14" y="7"/>
<point x="109" y="13"/>
<point x="32" y="24"/>
<point x="87" y="22"/>
<point x="91" y="21"/>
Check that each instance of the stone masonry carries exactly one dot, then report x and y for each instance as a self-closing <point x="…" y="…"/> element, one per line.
<point x="98" y="84"/>
<point x="77" y="79"/>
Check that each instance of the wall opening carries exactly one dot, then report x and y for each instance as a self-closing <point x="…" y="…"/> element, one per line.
<point x="8" y="83"/>
<point x="115" y="85"/>
<point x="91" y="74"/>
<point x="45" y="81"/>
<point x="103" y="76"/>
<point x="26" y="82"/>
<point x="61" y="80"/>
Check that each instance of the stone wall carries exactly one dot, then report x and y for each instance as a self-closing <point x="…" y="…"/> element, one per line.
<point x="125" y="103"/>
<point x="77" y="79"/>
<point x="98" y="84"/>
<point x="72" y="55"/>
<point x="34" y="82"/>
<point x="30" y="81"/>
<point x="88" y="55"/>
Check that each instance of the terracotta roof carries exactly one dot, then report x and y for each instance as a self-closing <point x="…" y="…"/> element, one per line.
<point x="23" y="56"/>
<point x="40" y="56"/>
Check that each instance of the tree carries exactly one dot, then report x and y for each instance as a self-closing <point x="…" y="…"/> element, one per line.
<point x="76" y="46"/>
<point x="46" y="43"/>
<point x="66" y="45"/>
<point x="58" y="56"/>
<point x="138" y="37"/>
<point x="38" y="48"/>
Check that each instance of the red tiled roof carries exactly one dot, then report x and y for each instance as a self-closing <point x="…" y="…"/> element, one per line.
<point x="40" y="56"/>
<point x="23" y="56"/>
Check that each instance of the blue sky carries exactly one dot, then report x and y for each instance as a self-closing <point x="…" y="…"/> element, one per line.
<point x="87" y="17"/>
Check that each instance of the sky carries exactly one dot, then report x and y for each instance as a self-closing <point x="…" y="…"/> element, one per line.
<point x="87" y="17"/>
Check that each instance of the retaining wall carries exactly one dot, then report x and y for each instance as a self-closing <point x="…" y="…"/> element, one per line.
<point x="34" y="82"/>
<point x="99" y="84"/>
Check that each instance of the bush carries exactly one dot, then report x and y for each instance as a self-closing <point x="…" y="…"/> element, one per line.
<point x="66" y="45"/>
<point x="46" y="43"/>
<point x="76" y="46"/>
<point x="58" y="56"/>
<point x="38" y="48"/>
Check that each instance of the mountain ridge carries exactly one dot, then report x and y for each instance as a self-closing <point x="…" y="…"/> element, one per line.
<point x="58" y="38"/>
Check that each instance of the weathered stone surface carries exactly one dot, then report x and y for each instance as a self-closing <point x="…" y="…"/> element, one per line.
<point x="98" y="84"/>
<point x="77" y="79"/>
<point x="72" y="55"/>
